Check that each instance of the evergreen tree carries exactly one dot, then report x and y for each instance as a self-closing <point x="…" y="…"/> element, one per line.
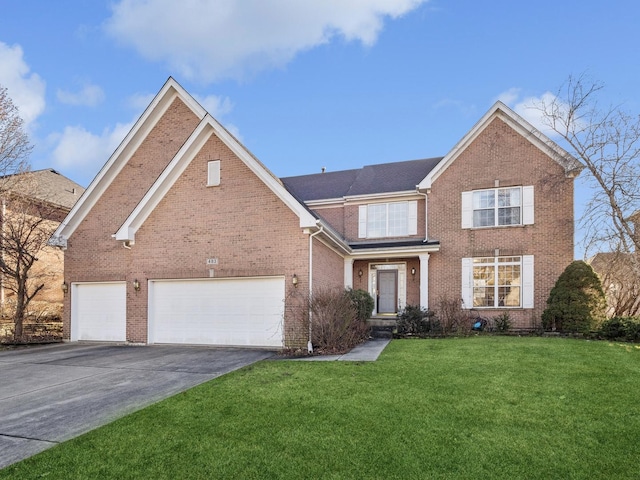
<point x="576" y="302"/>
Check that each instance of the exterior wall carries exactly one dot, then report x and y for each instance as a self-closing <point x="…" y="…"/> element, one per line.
<point x="333" y="216"/>
<point x="241" y="223"/>
<point x="500" y="154"/>
<point x="328" y="267"/>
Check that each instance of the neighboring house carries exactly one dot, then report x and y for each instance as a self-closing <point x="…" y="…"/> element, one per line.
<point x="48" y="196"/>
<point x="619" y="282"/>
<point x="185" y="237"/>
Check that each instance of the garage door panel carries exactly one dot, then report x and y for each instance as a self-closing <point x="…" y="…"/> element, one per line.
<point x="99" y="312"/>
<point x="246" y="311"/>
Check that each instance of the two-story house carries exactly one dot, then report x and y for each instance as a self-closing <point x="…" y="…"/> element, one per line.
<point x="185" y="237"/>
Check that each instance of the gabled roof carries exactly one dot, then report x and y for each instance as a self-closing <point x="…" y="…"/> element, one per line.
<point x="46" y="185"/>
<point x="154" y="112"/>
<point x="207" y="127"/>
<point x="369" y="180"/>
<point x="571" y="166"/>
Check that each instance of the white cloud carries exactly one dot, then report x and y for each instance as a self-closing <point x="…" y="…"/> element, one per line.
<point x="530" y="108"/>
<point x="206" y="41"/>
<point x="215" y="105"/>
<point x="89" y="96"/>
<point x="86" y="152"/>
<point x="25" y="89"/>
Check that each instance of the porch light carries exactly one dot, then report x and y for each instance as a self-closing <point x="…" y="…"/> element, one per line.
<point x="65" y="288"/>
<point x="360" y="273"/>
<point x="294" y="280"/>
<point x="413" y="272"/>
<point x="136" y="285"/>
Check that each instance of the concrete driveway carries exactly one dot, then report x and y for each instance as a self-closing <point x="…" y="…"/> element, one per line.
<point x="52" y="393"/>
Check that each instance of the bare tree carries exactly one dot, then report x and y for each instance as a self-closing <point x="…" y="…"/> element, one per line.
<point x="26" y="223"/>
<point x="14" y="142"/>
<point x="606" y="139"/>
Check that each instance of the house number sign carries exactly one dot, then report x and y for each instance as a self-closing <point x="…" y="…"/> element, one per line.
<point x="212" y="261"/>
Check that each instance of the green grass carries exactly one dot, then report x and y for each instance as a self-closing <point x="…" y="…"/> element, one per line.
<point x="481" y="407"/>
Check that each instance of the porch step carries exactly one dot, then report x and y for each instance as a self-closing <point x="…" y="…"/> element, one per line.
<point x="382" y="327"/>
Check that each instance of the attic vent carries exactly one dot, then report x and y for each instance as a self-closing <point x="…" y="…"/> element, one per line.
<point x="213" y="173"/>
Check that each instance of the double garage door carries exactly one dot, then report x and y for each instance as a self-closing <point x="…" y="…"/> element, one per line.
<point x="242" y="312"/>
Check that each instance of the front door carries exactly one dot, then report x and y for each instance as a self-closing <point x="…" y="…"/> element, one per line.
<point x="387" y="291"/>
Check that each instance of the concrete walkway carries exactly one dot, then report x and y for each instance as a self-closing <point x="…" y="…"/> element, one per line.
<point x="365" y="352"/>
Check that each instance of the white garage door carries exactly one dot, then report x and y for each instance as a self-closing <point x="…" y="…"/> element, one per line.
<point x="99" y="311"/>
<point x="245" y="311"/>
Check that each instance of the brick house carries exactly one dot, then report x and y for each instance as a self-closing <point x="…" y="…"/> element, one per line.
<point x="185" y="237"/>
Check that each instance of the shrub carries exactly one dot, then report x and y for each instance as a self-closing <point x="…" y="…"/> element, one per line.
<point x="415" y="320"/>
<point x="335" y="325"/>
<point x="576" y="302"/>
<point x="362" y="302"/>
<point x="621" y="328"/>
<point x="502" y="322"/>
<point x="452" y="317"/>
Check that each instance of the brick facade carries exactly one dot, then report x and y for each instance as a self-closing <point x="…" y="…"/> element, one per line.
<point x="253" y="228"/>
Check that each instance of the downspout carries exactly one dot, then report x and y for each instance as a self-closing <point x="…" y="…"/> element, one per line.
<point x="309" y="344"/>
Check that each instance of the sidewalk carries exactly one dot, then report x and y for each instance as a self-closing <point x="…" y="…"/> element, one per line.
<point x="366" y="352"/>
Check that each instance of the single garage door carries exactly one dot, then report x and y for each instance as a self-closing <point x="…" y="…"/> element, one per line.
<point x="99" y="311"/>
<point x="239" y="311"/>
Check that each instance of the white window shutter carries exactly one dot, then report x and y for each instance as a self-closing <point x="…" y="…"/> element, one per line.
<point x="527" y="281"/>
<point x="213" y="173"/>
<point x="413" y="218"/>
<point x="467" y="283"/>
<point x="467" y="209"/>
<point x="362" y="221"/>
<point x="527" y="205"/>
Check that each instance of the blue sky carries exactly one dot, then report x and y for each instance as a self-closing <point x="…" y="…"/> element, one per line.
<point x="304" y="84"/>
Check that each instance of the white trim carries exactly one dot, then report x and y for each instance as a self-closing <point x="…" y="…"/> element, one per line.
<point x="521" y="126"/>
<point x="153" y="113"/>
<point x="467" y="283"/>
<point x="213" y="173"/>
<point x="207" y="127"/>
<point x="528" y="299"/>
<point x="348" y="272"/>
<point x="527" y="205"/>
<point x="467" y="209"/>
<point x="424" y="280"/>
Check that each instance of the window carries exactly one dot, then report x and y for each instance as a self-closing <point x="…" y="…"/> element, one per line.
<point x="497" y="282"/>
<point x="397" y="219"/>
<point x="213" y="173"/>
<point x="497" y="207"/>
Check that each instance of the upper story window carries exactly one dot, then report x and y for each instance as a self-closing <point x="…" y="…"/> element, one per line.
<point x="497" y="207"/>
<point x="394" y="219"/>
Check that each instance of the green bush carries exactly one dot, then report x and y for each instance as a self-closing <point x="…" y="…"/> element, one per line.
<point x="576" y="303"/>
<point x="362" y="302"/>
<point x="415" y="320"/>
<point x="621" y="328"/>
<point x="502" y="323"/>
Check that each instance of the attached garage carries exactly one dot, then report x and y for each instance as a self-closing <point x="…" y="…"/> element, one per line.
<point x="99" y="311"/>
<point x="224" y="311"/>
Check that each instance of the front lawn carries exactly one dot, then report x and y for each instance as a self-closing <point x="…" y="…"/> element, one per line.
<point x="480" y="407"/>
